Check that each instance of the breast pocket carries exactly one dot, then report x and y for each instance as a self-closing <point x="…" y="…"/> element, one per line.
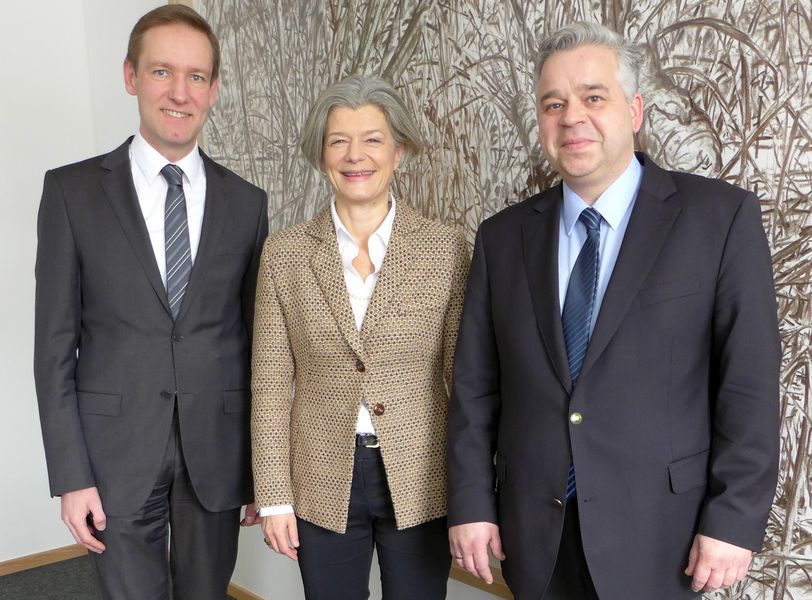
<point x="670" y="290"/>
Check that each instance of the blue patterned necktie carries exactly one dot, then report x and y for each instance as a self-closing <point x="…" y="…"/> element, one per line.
<point x="579" y="304"/>
<point x="176" y="232"/>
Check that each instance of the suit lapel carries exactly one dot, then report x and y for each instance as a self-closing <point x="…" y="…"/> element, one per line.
<point x="215" y="213"/>
<point x="118" y="185"/>
<point x="650" y="222"/>
<point x="395" y="270"/>
<point x="325" y="262"/>
<point x="540" y="251"/>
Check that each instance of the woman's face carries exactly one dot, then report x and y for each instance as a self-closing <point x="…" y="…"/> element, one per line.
<point x="360" y="155"/>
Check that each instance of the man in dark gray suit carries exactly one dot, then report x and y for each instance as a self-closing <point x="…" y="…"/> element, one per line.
<point x="618" y="355"/>
<point x="146" y="272"/>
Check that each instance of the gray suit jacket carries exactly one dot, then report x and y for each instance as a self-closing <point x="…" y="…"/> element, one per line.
<point x="108" y="358"/>
<point x="678" y="392"/>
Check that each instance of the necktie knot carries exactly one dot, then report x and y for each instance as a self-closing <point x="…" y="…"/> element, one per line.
<point x="591" y="219"/>
<point x="173" y="174"/>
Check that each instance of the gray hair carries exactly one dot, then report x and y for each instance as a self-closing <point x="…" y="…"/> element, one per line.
<point x="354" y="92"/>
<point x="629" y="55"/>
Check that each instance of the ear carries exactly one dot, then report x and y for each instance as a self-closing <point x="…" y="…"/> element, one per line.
<point x="636" y="110"/>
<point x="129" y="78"/>
<point x="215" y="85"/>
<point x="398" y="156"/>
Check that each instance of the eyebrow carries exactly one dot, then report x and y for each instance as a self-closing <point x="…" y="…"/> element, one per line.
<point x="367" y="132"/>
<point x="584" y="87"/>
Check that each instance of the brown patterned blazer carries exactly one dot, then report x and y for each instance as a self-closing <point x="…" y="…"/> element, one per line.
<point x="312" y="368"/>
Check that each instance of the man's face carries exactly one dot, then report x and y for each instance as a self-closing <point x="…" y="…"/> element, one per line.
<point x="173" y="86"/>
<point x="586" y="125"/>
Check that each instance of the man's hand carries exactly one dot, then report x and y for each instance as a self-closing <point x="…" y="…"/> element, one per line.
<point x="469" y="546"/>
<point x="281" y="534"/>
<point x="714" y="564"/>
<point x="76" y="506"/>
<point x="251" y="517"/>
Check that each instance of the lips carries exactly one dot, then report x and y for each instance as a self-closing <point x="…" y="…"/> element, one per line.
<point x="175" y="114"/>
<point x="356" y="174"/>
<point x="576" y="143"/>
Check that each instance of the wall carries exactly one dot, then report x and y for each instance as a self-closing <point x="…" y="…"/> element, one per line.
<point x="729" y="95"/>
<point x="63" y="100"/>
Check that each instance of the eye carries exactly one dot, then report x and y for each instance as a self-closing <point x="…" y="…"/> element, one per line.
<point x="337" y="142"/>
<point x="160" y="73"/>
<point x="374" y="140"/>
<point x="197" y="78"/>
<point x="552" y="106"/>
<point x="594" y="99"/>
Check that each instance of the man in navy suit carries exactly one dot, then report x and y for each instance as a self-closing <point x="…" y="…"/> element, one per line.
<point x="616" y="372"/>
<point x="146" y="272"/>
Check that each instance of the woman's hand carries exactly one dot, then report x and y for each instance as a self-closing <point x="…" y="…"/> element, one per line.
<point x="281" y="534"/>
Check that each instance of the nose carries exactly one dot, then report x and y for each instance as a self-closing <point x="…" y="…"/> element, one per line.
<point x="354" y="151"/>
<point x="573" y="114"/>
<point x="179" y="89"/>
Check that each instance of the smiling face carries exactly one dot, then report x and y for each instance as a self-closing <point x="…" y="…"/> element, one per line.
<point x="360" y="156"/>
<point x="173" y="86"/>
<point x="586" y="124"/>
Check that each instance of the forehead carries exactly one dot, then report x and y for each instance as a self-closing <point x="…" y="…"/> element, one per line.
<point x="587" y="64"/>
<point x="366" y="117"/>
<point x="177" y="43"/>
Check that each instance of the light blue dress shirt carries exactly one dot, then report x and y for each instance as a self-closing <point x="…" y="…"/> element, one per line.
<point x="615" y="207"/>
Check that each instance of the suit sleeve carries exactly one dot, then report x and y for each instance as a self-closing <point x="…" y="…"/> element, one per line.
<point x="249" y="282"/>
<point x="451" y="321"/>
<point x="57" y="329"/>
<point x="745" y="366"/>
<point x="272" y="373"/>
<point x="473" y="414"/>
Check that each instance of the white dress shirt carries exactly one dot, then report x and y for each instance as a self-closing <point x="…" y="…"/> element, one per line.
<point x="150" y="187"/>
<point x="615" y="207"/>
<point x="360" y="292"/>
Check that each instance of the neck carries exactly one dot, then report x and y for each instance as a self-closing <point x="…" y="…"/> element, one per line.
<point x="362" y="220"/>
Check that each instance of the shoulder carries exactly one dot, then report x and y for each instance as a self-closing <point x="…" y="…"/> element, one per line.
<point x="510" y="218"/>
<point x="440" y="237"/>
<point x="232" y="180"/>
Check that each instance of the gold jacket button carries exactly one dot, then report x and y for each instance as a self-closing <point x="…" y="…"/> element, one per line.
<point x="359" y="366"/>
<point x="557" y="502"/>
<point x="576" y="418"/>
<point x="378" y="409"/>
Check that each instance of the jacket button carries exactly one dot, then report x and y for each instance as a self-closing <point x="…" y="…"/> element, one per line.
<point x="166" y="395"/>
<point x="576" y="418"/>
<point x="378" y="409"/>
<point x="557" y="502"/>
<point x="177" y="337"/>
<point x="359" y="366"/>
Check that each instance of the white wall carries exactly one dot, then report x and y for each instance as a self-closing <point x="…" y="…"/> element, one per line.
<point x="63" y="100"/>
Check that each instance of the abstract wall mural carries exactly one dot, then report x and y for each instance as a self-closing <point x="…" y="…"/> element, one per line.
<point x="728" y="94"/>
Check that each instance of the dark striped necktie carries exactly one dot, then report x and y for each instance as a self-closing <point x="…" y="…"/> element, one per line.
<point x="578" y="305"/>
<point x="176" y="232"/>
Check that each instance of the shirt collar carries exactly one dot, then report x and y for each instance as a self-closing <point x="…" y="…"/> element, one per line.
<point x="378" y="241"/>
<point x="612" y="204"/>
<point x="150" y="162"/>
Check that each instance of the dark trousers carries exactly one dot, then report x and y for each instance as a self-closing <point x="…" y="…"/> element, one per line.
<point x="414" y="562"/>
<point x="571" y="580"/>
<point x="202" y="549"/>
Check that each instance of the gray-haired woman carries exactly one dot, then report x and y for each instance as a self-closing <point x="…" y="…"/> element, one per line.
<point x="357" y="312"/>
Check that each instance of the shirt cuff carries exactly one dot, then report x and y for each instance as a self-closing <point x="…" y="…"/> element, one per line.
<point x="273" y="511"/>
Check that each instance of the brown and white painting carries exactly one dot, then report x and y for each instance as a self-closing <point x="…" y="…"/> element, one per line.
<point x="728" y="94"/>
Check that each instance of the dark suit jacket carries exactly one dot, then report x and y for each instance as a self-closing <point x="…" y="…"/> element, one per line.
<point x="678" y="391"/>
<point x="108" y="358"/>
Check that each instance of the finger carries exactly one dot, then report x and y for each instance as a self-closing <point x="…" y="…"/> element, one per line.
<point x="689" y="570"/>
<point x="483" y="565"/>
<point x="98" y="516"/>
<point x="741" y="572"/>
<point x="714" y="580"/>
<point x="293" y="533"/>
<point x="701" y="574"/>
<point x="468" y="564"/>
<point x="86" y="538"/>
<point x="730" y="577"/>
<point x="282" y="546"/>
<point x="496" y="546"/>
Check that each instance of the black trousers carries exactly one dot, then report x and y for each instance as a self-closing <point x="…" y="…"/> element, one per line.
<point x="414" y="562"/>
<point x="571" y="579"/>
<point x="198" y="561"/>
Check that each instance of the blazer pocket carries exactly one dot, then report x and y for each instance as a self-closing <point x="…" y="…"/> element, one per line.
<point x="689" y="473"/>
<point x="235" y="401"/>
<point x="93" y="403"/>
<point x="669" y="290"/>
